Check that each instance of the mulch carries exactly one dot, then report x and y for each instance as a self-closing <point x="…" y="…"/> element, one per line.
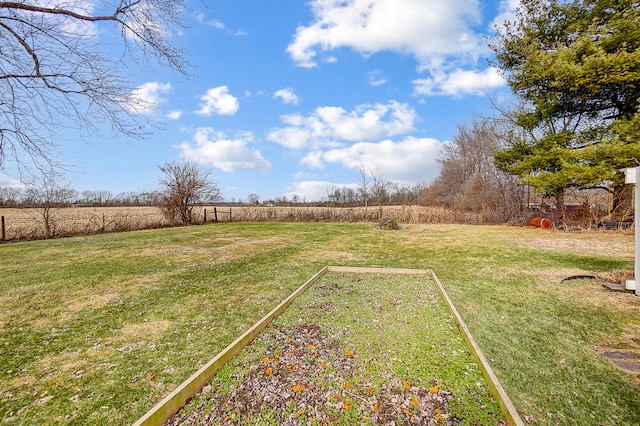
<point x="307" y="377"/>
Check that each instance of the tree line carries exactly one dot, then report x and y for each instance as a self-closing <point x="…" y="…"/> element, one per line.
<point x="573" y="67"/>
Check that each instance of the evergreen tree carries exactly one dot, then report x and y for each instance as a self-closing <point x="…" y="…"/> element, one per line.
<point x="575" y="67"/>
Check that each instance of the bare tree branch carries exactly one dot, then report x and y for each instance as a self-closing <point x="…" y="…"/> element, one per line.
<point x="59" y="71"/>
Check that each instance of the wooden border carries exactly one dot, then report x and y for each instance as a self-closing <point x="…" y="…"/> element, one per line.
<point x="170" y="405"/>
<point x="508" y="409"/>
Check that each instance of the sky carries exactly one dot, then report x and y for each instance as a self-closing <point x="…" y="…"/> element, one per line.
<point x="296" y="97"/>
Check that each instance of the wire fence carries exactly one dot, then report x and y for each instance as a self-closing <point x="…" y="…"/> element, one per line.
<point x="31" y="224"/>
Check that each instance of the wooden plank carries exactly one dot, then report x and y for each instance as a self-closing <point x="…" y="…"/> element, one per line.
<point x="497" y="390"/>
<point x="499" y="394"/>
<point x="166" y="408"/>
<point x="364" y="270"/>
<point x="170" y="405"/>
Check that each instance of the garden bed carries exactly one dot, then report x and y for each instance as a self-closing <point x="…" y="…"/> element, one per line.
<point x="353" y="349"/>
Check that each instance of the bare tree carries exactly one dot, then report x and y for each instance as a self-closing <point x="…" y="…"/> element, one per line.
<point x="184" y="186"/>
<point x="58" y="69"/>
<point x="253" y="199"/>
<point x="10" y="196"/>
<point x="380" y="185"/>
<point x="45" y="195"/>
<point x="364" y="188"/>
<point x="96" y="198"/>
<point x="469" y="180"/>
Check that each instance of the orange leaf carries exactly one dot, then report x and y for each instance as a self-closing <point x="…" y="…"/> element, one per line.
<point x="298" y="388"/>
<point x="406" y="384"/>
<point x="149" y="377"/>
<point x="434" y="389"/>
<point x="265" y="359"/>
<point x="268" y="371"/>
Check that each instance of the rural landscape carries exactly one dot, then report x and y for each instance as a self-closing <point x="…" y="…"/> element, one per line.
<point x="391" y="212"/>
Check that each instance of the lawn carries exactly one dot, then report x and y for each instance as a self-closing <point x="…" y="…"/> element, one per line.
<point x="97" y="329"/>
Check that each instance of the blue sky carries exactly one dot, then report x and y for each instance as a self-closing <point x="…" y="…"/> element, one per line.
<point x="294" y="97"/>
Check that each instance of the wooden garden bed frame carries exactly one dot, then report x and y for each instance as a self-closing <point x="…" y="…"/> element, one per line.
<point x="170" y="405"/>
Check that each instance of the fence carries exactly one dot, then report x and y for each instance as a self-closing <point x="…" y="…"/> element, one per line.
<point x="29" y="224"/>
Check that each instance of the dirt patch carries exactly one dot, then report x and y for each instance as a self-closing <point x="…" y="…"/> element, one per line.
<point x="305" y="378"/>
<point x="625" y="355"/>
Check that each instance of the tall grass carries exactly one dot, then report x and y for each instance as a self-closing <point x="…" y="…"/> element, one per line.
<point x="27" y="224"/>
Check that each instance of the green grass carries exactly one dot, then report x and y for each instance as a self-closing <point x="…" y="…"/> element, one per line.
<point x="381" y="333"/>
<point x="95" y="330"/>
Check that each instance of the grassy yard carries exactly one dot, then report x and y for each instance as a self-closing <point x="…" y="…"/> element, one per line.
<point x="96" y="330"/>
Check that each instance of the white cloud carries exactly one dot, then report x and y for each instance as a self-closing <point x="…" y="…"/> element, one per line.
<point x="459" y="83"/>
<point x="313" y="160"/>
<point x="200" y="17"/>
<point x="9" y="182"/>
<point x="287" y="95"/>
<point x="430" y="30"/>
<point x="410" y="160"/>
<point x="377" y="78"/>
<point x="75" y="27"/>
<point x="143" y="18"/>
<point x="218" y="100"/>
<point x="328" y="126"/>
<point x="506" y="12"/>
<point x="174" y="115"/>
<point x="147" y="98"/>
<point x="227" y="154"/>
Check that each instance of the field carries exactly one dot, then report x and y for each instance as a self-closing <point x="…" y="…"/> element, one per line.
<point x="97" y="329"/>
<point x="28" y="224"/>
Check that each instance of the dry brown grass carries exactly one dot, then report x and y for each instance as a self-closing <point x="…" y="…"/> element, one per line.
<point x="402" y="213"/>
<point x="607" y="243"/>
<point x="27" y="224"/>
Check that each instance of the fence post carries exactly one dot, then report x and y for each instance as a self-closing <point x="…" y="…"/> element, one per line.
<point x="4" y="235"/>
<point x="205" y="215"/>
<point x="229" y="214"/>
<point x="215" y="214"/>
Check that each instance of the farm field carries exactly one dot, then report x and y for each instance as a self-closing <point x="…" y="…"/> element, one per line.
<point x="97" y="329"/>
<point x="28" y="224"/>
